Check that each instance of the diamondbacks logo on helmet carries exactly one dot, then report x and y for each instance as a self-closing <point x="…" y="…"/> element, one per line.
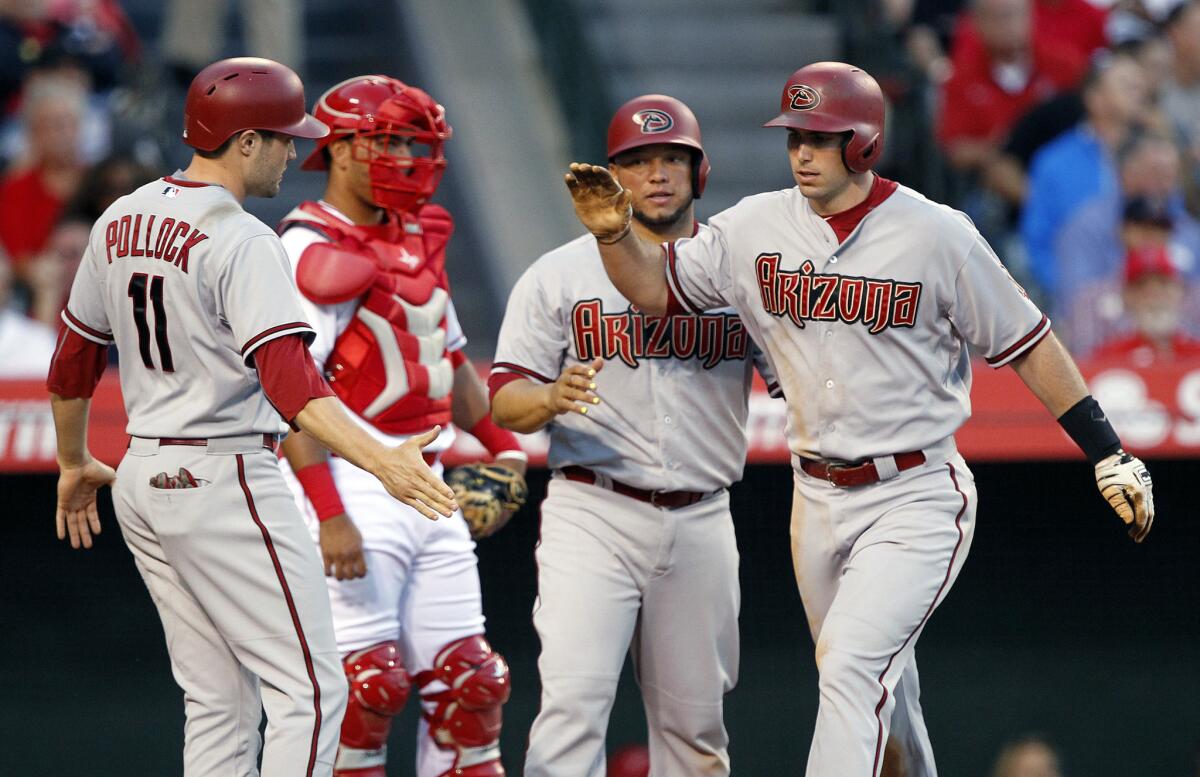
<point x="653" y="121"/>
<point x="804" y="98"/>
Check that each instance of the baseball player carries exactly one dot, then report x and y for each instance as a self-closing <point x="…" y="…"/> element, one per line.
<point x="369" y="262"/>
<point x="865" y="297"/>
<point x="637" y="547"/>
<point x="196" y="295"/>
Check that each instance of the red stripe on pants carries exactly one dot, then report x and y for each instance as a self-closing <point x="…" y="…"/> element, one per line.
<point x="928" y="612"/>
<point x="287" y="595"/>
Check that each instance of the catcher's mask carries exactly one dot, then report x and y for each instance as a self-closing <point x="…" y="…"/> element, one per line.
<point x="397" y="129"/>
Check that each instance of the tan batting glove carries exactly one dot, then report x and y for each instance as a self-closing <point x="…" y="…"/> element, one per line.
<point x="1125" y="482"/>
<point x="603" y="206"/>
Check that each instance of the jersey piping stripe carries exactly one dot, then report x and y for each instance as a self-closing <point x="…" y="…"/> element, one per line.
<point x="945" y="582"/>
<point x="673" y="282"/>
<point x="291" y="604"/>
<point x="521" y="371"/>
<point x="1014" y="350"/>
<point x="188" y="184"/>
<point x="258" y="339"/>
<point x="95" y="335"/>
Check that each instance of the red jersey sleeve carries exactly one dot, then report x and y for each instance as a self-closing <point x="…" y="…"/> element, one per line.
<point x="76" y="366"/>
<point x="288" y="375"/>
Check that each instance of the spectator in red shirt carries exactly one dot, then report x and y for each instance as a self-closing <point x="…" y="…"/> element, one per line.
<point x="1076" y="25"/>
<point x="50" y="176"/>
<point x="997" y="82"/>
<point x="1154" y="297"/>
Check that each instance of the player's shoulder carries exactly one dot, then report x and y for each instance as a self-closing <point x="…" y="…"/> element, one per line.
<point x="753" y="204"/>
<point x="299" y="229"/>
<point x="567" y="257"/>
<point x="565" y="268"/>
<point x="909" y="206"/>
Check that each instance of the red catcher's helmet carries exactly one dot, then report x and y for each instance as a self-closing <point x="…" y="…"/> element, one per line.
<point x="836" y="97"/>
<point x="656" y="118"/>
<point x="245" y="93"/>
<point x="374" y="111"/>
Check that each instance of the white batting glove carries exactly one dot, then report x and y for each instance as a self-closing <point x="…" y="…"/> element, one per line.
<point x="1125" y="482"/>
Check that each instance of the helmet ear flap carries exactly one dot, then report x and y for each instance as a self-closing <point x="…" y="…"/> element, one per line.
<point x="700" y="171"/>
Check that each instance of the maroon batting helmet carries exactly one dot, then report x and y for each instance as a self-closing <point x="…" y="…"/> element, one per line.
<point x="365" y="108"/>
<point x="245" y="93"/>
<point x="656" y="118"/>
<point x="836" y="97"/>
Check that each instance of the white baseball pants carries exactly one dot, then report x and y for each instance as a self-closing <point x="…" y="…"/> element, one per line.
<point x="421" y="588"/>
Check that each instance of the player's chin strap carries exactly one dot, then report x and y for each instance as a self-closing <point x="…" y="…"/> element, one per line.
<point x="467" y="715"/>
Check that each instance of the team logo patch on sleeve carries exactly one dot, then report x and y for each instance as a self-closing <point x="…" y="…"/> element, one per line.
<point x="653" y="121"/>
<point x="804" y="98"/>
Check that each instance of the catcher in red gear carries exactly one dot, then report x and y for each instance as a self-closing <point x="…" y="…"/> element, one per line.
<point x="369" y="261"/>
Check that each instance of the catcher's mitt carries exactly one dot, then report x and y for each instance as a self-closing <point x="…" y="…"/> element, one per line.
<point x="488" y="495"/>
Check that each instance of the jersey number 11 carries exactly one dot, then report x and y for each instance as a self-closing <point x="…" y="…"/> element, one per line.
<point x="137" y="292"/>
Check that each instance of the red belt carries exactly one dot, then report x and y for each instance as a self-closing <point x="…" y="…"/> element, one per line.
<point x="269" y="441"/>
<point x="667" y="499"/>
<point x="848" y="474"/>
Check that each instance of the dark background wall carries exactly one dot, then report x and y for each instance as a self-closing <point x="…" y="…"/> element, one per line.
<point x="1058" y="624"/>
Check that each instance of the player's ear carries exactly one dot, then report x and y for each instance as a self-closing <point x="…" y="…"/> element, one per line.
<point x="340" y="152"/>
<point x="247" y="141"/>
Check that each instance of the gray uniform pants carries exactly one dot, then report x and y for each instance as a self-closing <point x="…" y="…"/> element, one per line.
<point x="241" y="594"/>
<point x="618" y="575"/>
<point x="872" y="563"/>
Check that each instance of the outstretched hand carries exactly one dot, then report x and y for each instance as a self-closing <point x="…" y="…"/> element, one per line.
<point x="408" y="478"/>
<point x="76" y="515"/>
<point x="603" y="206"/>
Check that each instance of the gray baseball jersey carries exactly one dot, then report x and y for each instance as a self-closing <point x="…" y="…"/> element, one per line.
<point x="672" y="413"/>
<point x="565" y="310"/>
<point x="870" y="335"/>
<point x="188" y="285"/>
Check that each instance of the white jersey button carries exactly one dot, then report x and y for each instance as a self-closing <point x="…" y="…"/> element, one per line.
<point x="829" y="384"/>
<point x="833" y="260"/>
<point x="667" y="420"/>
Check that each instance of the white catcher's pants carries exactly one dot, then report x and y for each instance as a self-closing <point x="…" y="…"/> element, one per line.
<point x="421" y="588"/>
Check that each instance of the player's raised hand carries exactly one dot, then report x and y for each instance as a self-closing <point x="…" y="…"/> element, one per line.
<point x="1125" y="482"/>
<point x="342" y="548"/>
<point x="76" y="516"/>
<point x="407" y="477"/>
<point x="603" y="206"/>
<point x="575" y="389"/>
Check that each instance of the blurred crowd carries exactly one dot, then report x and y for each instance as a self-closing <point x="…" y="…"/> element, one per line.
<point x="1070" y="133"/>
<point x="70" y="144"/>
<point x="87" y="115"/>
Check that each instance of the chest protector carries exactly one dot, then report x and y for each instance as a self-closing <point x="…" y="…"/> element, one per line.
<point x="390" y="365"/>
